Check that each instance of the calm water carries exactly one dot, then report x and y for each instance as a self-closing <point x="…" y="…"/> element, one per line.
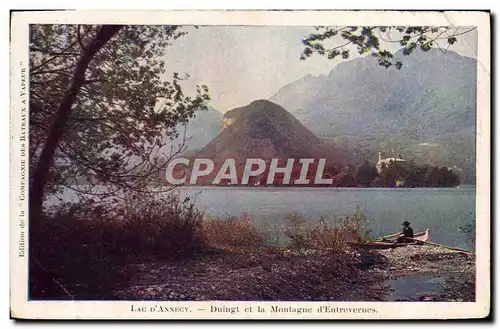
<point x="442" y="210"/>
<point x="409" y="287"/>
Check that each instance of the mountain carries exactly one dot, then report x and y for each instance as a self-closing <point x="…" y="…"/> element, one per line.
<point x="425" y="110"/>
<point x="200" y="130"/>
<point x="266" y="130"/>
<point x="204" y="127"/>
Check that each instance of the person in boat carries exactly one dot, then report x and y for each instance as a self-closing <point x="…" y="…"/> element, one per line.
<point x="407" y="233"/>
<point x="368" y="236"/>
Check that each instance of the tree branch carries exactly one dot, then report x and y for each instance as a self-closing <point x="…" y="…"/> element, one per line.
<point x="79" y="38"/>
<point x="57" y="130"/>
<point x="55" y="53"/>
<point x="88" y="81"/>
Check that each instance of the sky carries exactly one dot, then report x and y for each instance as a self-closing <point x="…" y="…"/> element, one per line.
<point x="240" y="64"/>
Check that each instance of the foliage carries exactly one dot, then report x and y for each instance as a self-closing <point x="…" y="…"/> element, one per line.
<point x="365" y="174"/>
<point x="165" y="226"/>
<point x="368" y="39"/>
<point x="417" y="176"/>
<point x="455" y="153"/>
<point x="346" y="177"/>
<point x="232" y="232"/>
<point x="397" y="174"/>
<point x="303" y="234"/>
<point x="84" y="244"/>
<point x="81" y="245"/>
<point x="125" y="107"/>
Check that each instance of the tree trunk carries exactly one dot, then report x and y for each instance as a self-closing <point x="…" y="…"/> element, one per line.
<point x="40" y="176"/>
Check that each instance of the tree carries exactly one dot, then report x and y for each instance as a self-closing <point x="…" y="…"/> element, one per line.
<point x="346" y="177"/>
<point x="415" y="175"/>
<point x="365" y="174"/>
<point x="387" y="177"/>
<point x="94" y="110"/>
<point x="369" y="40"/>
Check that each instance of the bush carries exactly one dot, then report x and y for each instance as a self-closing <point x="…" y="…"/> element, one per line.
<point x="79" y="246"/>
<point x="165" y="226"/>
<point x="232" y="231"/>
<point x="303" y="234"/>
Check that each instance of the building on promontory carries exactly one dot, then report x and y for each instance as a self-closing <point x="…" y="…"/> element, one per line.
<point x="387" y="161"/>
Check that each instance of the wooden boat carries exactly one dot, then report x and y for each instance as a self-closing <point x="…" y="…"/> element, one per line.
<point x="380" y="244"/>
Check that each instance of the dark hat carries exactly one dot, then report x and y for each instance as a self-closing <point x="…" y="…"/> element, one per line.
<point x="405" y="222"/>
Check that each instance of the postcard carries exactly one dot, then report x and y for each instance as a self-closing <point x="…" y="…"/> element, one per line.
<point x="250" y="165"/>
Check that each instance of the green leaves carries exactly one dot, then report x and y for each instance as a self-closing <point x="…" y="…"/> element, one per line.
<point x="124" y="110"/>
<point x="333" y="42"/>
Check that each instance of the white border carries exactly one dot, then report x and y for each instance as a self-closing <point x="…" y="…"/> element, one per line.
<point x="112" y="310"/>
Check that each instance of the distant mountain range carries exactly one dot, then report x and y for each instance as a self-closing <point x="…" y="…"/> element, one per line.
<point x="424" y="111"/>
<point x="200" y="130"/>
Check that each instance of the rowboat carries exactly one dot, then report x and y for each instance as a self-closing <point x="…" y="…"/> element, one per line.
<point x="380" y="244"/>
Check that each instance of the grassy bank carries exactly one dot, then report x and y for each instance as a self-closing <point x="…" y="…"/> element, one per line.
<point x="80" y="249"/>
<point x="167" y="250"/>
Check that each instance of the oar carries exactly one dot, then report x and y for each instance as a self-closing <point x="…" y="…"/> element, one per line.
<point x="388" y="236"/>
<point x="439" y="245"/>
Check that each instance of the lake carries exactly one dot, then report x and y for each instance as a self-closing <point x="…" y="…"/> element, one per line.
<point x="443" y="210"/>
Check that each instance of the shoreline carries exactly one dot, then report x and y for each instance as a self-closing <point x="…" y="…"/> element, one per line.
<point x="149" y="250"/>
<point x="439" y="274"/>
<point x="283" y="274"/>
